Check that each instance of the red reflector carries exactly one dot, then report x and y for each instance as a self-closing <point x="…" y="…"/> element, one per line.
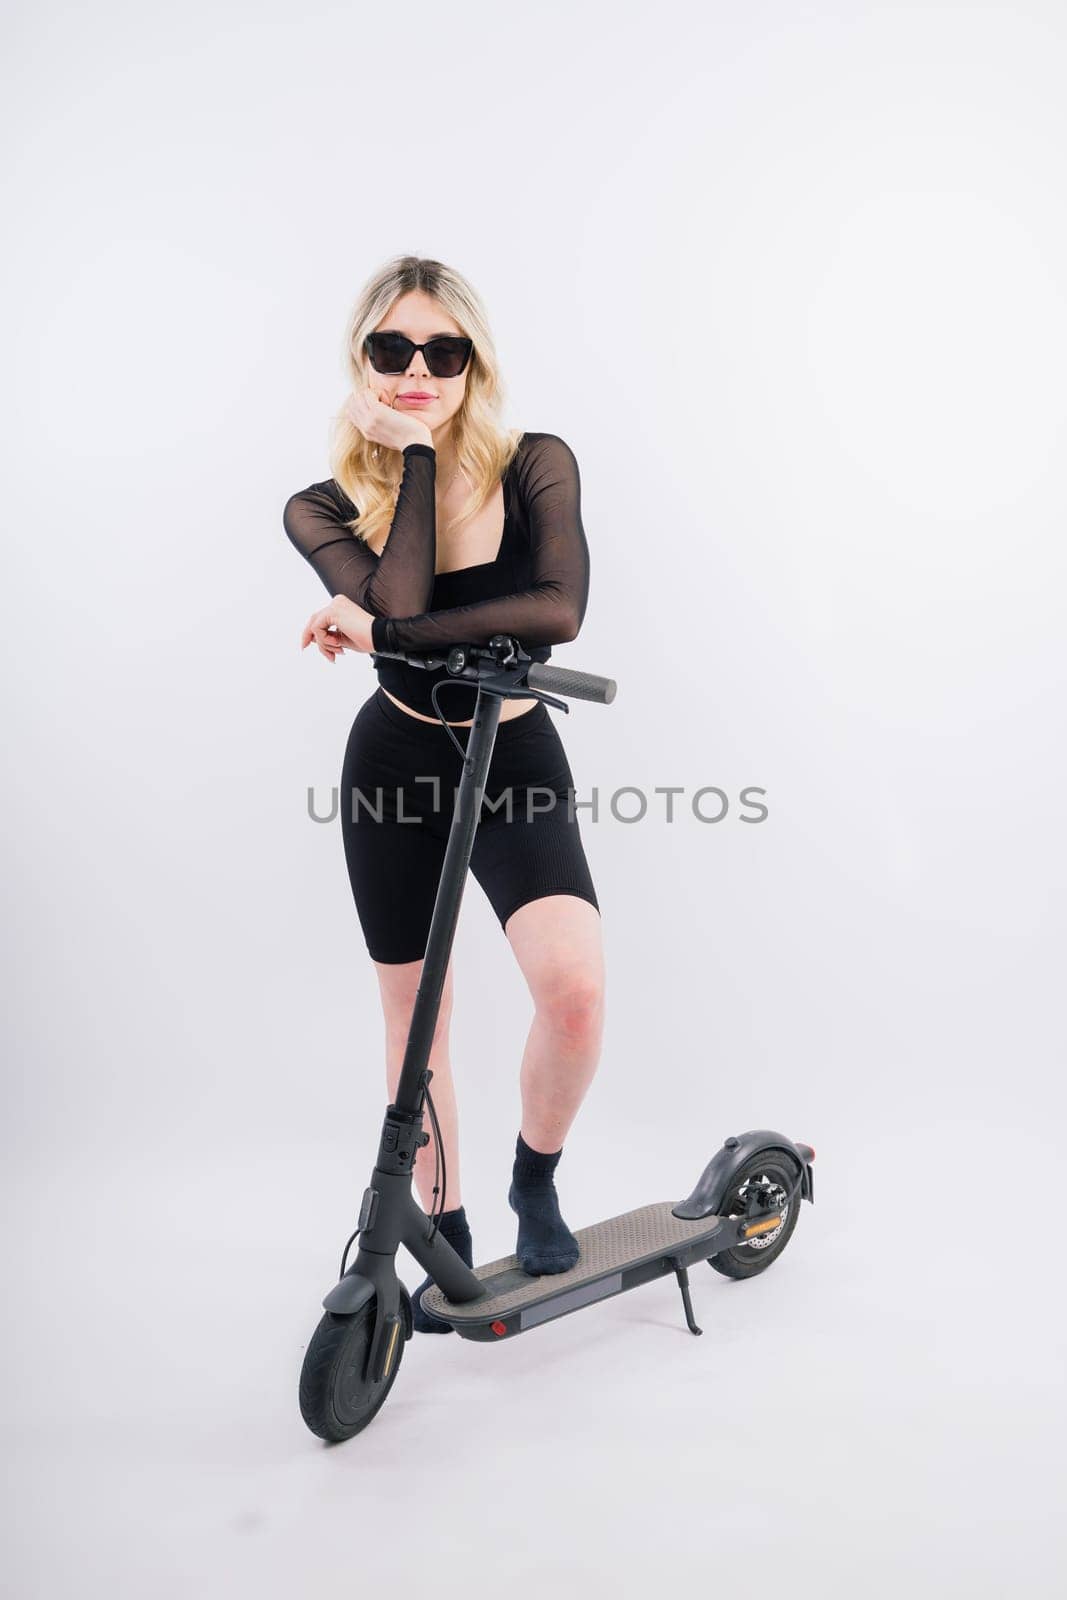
<point x="499" y="1327"/>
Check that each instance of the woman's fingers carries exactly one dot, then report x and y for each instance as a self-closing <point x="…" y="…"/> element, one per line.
<point x="312" y="631"/>
<point x="364" y="408"/>
<point x="359" y="404"/>
<point x="317" y="632"/>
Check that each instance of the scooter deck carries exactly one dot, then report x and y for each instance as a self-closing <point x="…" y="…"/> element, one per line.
<point x="610" y="1250"/>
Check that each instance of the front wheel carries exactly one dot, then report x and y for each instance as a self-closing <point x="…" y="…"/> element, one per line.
<point x="762" y="1184"/>
<point x="336" y="1399"/>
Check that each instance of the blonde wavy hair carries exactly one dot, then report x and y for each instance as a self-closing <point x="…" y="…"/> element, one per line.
<point x="369" y="473"/>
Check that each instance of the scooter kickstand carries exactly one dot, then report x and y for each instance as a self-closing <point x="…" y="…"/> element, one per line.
<point x="682" y="1274"/>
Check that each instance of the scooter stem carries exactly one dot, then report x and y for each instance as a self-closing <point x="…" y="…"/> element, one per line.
<point x="412" y="1084"/>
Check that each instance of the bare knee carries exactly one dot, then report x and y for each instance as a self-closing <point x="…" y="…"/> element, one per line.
<point x="573" y="1005"/>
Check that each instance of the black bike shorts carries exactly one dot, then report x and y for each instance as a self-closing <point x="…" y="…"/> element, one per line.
<point x="398" y="795"/>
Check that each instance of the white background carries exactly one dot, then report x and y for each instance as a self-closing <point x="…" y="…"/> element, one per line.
<point x="789" y="279"/>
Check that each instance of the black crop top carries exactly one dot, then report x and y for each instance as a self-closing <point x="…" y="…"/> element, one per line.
<point x="536" y="587"/>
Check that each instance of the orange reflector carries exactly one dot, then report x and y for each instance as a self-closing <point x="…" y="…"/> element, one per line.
<point x="761" y="1227"/>
<point x="499" y="1327"/>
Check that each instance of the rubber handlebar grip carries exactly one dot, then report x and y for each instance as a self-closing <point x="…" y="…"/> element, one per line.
<point x="566" y="681"/>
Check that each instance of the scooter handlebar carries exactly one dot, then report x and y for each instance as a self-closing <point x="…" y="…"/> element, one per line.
<point x="567" y="681"/>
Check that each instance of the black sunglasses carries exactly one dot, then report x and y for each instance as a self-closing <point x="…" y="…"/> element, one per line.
<point x="446" y="355"/>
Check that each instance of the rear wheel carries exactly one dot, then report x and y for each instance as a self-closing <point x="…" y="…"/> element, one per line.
<point x="762" y="1184"/>
<point x="336" y="1399"/>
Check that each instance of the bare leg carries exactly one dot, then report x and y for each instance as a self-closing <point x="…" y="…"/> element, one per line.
<point x="557" y="942"/>
<point x="398" y="982"/>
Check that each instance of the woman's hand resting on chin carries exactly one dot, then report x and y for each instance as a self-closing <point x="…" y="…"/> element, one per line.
<point x="340" y="626"/>
<point x="372" y="412"/>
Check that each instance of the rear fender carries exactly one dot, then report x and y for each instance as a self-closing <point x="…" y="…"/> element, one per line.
<point x="716" y="1180"/>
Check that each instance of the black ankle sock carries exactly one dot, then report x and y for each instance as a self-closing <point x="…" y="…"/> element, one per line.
<point x="545" y="1242"/>
<point x="456" y="1229"/>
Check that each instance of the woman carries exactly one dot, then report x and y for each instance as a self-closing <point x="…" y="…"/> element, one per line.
<point x="463" y="531"/>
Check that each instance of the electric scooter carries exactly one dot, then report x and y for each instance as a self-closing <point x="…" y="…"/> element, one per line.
<point x="739" y="1216"/>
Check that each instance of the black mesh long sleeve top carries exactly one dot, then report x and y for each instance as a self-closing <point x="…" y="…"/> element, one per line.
<point x="536" y="587"/>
